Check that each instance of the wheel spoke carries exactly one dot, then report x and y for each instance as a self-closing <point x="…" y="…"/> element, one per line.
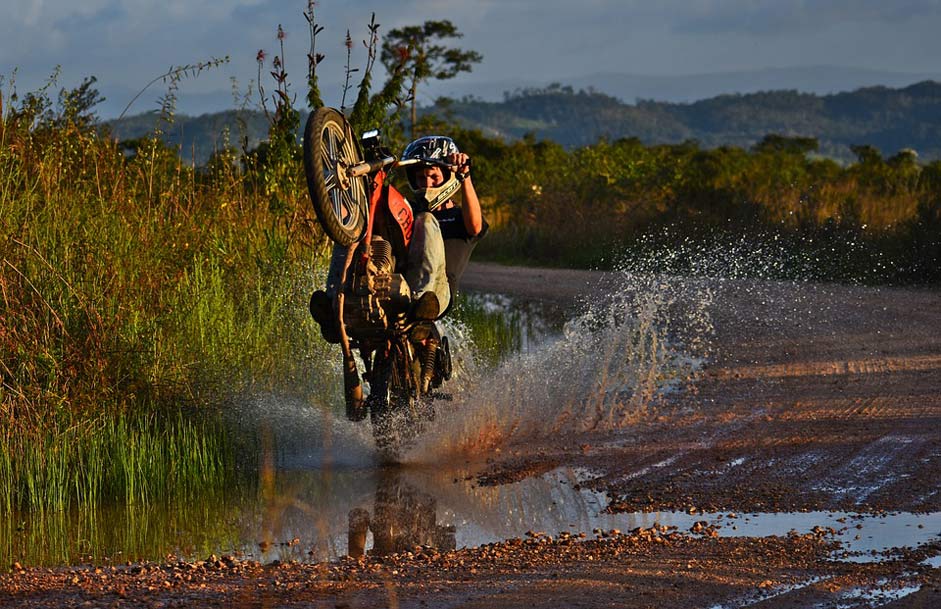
<point x="336" y="199"/>
<point x="325" y="153"/>
<point x="331" y="140"/>
<point x="350" y="208"/>
<point x="330" y="178"/>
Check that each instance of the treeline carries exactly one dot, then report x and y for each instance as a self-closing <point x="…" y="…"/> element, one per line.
<point x="888" y="119"/>
<point x="876" y="220"/>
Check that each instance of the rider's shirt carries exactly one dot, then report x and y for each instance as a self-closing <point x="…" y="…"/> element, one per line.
<point x="458" y="244"/>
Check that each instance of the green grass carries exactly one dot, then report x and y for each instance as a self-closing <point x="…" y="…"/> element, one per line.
<point x="132" y="459"/>
<point x="133" y="288"/>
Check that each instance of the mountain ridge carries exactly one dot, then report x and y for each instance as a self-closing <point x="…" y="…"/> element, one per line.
<point x="886" y="118"/>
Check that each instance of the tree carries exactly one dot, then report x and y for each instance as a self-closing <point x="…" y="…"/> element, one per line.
<point x="774" y="143"/>
<point x="425" y="55"/>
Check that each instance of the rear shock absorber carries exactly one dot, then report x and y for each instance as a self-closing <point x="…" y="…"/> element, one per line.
<point x="429" y="357"/>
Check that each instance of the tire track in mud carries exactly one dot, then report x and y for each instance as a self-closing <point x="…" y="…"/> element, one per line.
<point x="822" y="451"/>
<point x="922" y="363"/>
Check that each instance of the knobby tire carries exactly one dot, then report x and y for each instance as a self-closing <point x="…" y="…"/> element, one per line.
<point x="341" y="206"/>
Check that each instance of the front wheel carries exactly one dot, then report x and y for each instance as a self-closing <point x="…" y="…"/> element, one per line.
<point x="393" y="404"/>
<point x="340" y="201"/>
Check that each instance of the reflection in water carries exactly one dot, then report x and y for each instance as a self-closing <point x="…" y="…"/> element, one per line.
<point x="137" y="532"/>
<point x="403" y="517"/>
<point x="324" y="513"/>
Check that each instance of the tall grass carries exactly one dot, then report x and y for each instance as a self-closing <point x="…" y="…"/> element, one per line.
<point x="132" y="459"/>
<point x="133" y="286"/>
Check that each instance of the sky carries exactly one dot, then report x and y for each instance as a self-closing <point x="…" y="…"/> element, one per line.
<point x="127" y="43"/>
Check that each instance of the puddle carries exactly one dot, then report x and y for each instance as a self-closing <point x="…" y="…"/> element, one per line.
<point x="875" y="596"/>
<point x="316" y="514"/>
<point x="778" y="591"/>
<point x="934" y="562"/>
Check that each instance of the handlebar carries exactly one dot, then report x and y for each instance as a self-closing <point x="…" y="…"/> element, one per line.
<point x="368" y="167"/>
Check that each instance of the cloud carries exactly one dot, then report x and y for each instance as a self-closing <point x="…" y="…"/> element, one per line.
<point x="125" y="43"/>
<point x="788" y="16"/>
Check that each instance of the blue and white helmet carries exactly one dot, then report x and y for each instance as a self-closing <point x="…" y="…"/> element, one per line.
<point x="432" y="150"/>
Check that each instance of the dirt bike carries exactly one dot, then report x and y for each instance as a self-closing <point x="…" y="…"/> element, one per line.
<point x="404" y="360"/>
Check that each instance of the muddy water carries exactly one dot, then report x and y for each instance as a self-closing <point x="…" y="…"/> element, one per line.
<point x="320" y="492"/>
<point x="317" y="510"/>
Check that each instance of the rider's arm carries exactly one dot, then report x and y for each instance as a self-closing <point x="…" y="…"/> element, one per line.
<point x="470" y="208"/>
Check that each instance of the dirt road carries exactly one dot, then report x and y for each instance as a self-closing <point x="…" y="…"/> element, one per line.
<point x="813" y="397"/>
<point x="822" y="396"/>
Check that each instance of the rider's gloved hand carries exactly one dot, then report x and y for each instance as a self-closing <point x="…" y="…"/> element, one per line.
<point x="463" y="164"/>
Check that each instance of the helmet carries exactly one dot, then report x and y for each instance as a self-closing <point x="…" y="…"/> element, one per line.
<point x="432" y="150"/>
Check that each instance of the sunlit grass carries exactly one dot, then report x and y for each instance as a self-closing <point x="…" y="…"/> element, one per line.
<point x="130" y="459"/>
<point x="134" y="287"/>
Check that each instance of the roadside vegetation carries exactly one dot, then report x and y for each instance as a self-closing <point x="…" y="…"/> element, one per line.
<point x="133" y="284"/>
<point x="877" y="220"/>
<point x="140" y="293"/>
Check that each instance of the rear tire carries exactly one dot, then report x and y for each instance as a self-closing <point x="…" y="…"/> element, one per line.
<point x="341" y="203"/>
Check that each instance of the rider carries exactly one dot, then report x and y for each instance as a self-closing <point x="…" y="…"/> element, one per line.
<point x="444" y="236"/>
<point x="460" y="226"/>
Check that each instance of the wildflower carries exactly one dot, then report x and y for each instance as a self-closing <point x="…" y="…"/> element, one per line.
<point x="281" y="34"/>
<point x="260" y="57"/>
<point x="349" y="40"/>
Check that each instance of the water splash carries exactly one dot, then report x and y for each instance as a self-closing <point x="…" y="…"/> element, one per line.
<point x="612" y="362"/>
<point x="303" y="434"/>
<point x="627" y="349"/>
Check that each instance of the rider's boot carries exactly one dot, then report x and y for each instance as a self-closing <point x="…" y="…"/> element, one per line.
<point x="321" y="309"/>
<point x="426" y="308"/>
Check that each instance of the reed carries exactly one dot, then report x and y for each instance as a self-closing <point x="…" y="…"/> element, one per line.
<point x="132" y="459"/>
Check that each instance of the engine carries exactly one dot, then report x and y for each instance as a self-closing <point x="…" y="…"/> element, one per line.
<point x="380" y="297"/>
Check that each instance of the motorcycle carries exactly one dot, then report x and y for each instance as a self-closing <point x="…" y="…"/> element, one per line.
<point x="405" y="361"/>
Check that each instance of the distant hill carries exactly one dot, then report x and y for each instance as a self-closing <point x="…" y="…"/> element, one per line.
<point x="627" y="87"/>
<point x="889" y="119"/>
<point x="198" y="137"/>
<point x="821" y="80"/>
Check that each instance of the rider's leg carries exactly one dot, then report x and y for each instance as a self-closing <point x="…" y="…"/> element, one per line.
<point x="337" y="260"/>
<point x="321" y="301"/>
<point x="426" y="271"/>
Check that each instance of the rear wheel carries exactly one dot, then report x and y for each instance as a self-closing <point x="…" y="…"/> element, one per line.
<point x="340" y="201"/>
